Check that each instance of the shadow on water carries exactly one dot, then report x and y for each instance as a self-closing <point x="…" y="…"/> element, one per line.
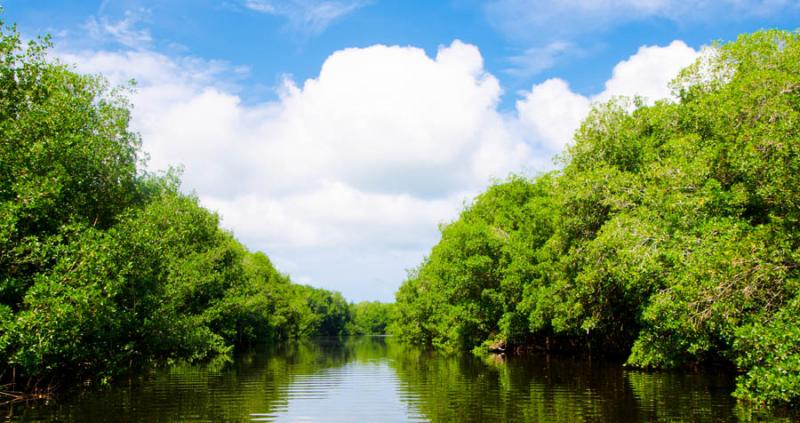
<point x="379" y="379"/>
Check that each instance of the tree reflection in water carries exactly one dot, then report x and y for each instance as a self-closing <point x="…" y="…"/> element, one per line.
<point x="378" y="378"/>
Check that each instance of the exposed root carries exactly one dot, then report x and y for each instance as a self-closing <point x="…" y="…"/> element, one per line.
<point x="9" y="397"/>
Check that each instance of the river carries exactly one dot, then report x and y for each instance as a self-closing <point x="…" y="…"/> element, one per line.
<point x="377" y="379"/>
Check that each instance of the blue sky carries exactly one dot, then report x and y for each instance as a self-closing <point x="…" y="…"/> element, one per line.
<point x="274" y="44"/>
<point x="336" y="135"/>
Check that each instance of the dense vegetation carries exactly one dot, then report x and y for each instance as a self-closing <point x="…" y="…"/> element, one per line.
<point x="104" y="266"/>
<point x="671" y="235"/>
<point x="370" y="318"/>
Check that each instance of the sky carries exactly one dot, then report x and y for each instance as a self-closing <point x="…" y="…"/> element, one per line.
<point x="338" y="135"/>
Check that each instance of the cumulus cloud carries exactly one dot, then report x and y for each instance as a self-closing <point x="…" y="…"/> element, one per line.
<point x="344" y="178"/>
<point x="310" y="16"/>
<point x="648" y="72"/>
<point x="367" y="157"/>
<point x="379" y="118"/>
<point x="336" y="214"/>
<point x="403" y="121"/>
<point x="553" y="111"/>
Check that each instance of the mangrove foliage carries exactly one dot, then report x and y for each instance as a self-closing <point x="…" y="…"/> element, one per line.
<point x="104" y="266"/>
<point x="671" y="235"/>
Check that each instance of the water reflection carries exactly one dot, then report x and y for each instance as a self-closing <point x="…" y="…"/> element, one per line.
<point x="378" y="379"/>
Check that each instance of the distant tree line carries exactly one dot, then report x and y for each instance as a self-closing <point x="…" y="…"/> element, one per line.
<point x="371" y="318"/>
<point x="671" y="235"/>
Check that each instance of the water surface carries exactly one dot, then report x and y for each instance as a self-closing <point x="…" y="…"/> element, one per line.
<point x="376" y="379"/>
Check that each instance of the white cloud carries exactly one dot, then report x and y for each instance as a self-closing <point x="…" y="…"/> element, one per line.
<point x="123" y="31"/>
<point x="553" y="111"/>
<point x="363" y="160"/>
<point x="648" y="72"/>
<point x="343" y="179"/>
<point x="403" y="121"/>
<point x="337" y="215"/>
<point x="310" y="16"/>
